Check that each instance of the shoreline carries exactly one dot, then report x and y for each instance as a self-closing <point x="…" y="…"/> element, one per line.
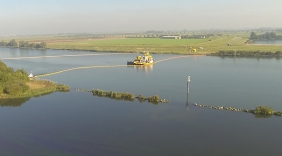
<point x="38" y="88"/>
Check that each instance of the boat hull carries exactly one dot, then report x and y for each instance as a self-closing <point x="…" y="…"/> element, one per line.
<point x="143" y="63"/>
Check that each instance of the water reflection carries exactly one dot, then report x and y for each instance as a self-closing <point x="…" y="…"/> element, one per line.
<point x="146" y="69"/>
<point x="17" y="102"/>
<point x="262" y="116"/>
<point x="187" y="103"/>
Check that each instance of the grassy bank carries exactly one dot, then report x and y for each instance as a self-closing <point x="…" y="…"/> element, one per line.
<point x="38" y="88"/>
<point x="223" y="42"/>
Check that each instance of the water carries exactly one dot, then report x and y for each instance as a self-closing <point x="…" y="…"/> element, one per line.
<point x="269" y="42"/>
<point x="77" y="123"/>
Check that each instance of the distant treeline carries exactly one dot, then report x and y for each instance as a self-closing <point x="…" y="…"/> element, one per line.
<point x="182" y="36"/>
<point x="23" y="44"/>
<point x="248" y="53"/>
<point x="266" y="36"/>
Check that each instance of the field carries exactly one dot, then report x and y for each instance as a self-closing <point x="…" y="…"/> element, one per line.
<point x="236" y="41"/>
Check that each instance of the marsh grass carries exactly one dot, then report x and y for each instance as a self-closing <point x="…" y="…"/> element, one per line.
<point x="38" y="88"/>
<point x="125" y="96"/>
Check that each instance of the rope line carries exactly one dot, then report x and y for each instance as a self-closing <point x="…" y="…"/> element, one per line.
<point x="112" y="66"/>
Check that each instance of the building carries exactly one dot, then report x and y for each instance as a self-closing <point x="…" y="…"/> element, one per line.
<point x="171" y="37"/>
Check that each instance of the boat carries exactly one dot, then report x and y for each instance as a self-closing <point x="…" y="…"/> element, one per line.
<point x="145" y="59"/>
<point x="31" y="76"/>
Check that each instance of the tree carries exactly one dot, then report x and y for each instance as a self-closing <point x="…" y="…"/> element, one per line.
<point x="31" y="45"/>
<point x="253" y="36"/>
<point x="43" y="45"/>
<point x="3" y="43"/>
<point x="273" y="35"/>
<point x="13" y="43"/>
<point x="21" y="43"/>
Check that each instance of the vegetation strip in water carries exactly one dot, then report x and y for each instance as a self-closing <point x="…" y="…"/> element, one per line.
<point x="125" y="96"/>
<point x="264" y="110"/>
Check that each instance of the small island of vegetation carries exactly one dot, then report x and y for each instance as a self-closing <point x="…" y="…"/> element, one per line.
<point x="259" y="111"/>
<point x="127" y="96"/>
<point x="16" y="84"/>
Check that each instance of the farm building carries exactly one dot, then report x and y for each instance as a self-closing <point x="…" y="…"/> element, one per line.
<point x="171" y="37"/>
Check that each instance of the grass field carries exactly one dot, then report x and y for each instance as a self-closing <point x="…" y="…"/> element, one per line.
<point x="153" y="45"/>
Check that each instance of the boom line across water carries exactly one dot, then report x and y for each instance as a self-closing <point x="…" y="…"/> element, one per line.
<point x="109" y="66"/>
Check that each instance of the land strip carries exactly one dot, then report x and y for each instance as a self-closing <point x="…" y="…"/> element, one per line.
<point x="155" y="45"/>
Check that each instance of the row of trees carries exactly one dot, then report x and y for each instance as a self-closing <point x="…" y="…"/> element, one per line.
<point x="266" y="36"/>
<point x="23" y="44"/>
<point x="277" y="54"/>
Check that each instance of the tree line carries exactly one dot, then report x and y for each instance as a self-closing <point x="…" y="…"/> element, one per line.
<point x="23" y="44"/>
<point x="266" y="36"/>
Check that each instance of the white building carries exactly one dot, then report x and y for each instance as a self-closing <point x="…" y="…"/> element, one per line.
<point x="171" y="37"/>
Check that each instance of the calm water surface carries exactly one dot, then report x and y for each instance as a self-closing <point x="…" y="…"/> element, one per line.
<point x="77" y="123"/>
<point x="269" y="42"/>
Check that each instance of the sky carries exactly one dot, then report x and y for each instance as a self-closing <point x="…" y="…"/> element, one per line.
<point x="32" y="17"/>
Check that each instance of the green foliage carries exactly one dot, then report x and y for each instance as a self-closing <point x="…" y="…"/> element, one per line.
<point x="24" y="44"/>
<point x="141" y="97"/>
<point x="3" y="66"/>
<point x="127" y="95"/>
<point x="16" y="88"/>
<point x="263" y="110"/>
<point x="154" y="99"/>
<point x="3" y="43"/>
<point x="1" y="89"/>
<point x="253" y="36"/>
<point x="21" y="74"/>
<point x="266" y="36"/>
<point x="248" y="53"/>
<point x="5" y="77"/>
<point x="62" y="87"/>
<point x="12" y="82"/>
<point x="279" y="113"/>
<point x="12" y="43"/>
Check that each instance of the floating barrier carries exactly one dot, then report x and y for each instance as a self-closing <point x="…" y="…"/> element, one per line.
<point x="109" y="66"/>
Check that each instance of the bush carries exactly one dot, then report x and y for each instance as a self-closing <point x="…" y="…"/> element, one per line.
<point x="141" y="97"/>
<point x="16" y="88"/>
<point x="263" y="110"/>
<point x="1" y="89"/>
<point x="61" y="87"/>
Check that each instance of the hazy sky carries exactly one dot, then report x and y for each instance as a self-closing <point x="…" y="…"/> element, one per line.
<point x="23" y="17"/>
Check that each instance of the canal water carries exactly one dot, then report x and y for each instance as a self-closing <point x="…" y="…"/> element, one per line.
<point x="269" y="42"/>
<point x="78" y="123"/>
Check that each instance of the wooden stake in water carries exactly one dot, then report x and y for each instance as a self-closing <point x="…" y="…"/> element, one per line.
<point x="188" y="84"/>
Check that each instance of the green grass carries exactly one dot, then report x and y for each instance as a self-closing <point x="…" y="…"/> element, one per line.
<point x="154" y="45"/>
<point x="142" y="41"/>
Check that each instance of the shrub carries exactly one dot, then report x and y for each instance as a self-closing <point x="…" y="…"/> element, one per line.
<point x="263" y="110"/>
<point x="1" y="89"/>
<point x="16" y="89"/>
<point x="141" y="97"/>
<point x="61" y="87"/>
